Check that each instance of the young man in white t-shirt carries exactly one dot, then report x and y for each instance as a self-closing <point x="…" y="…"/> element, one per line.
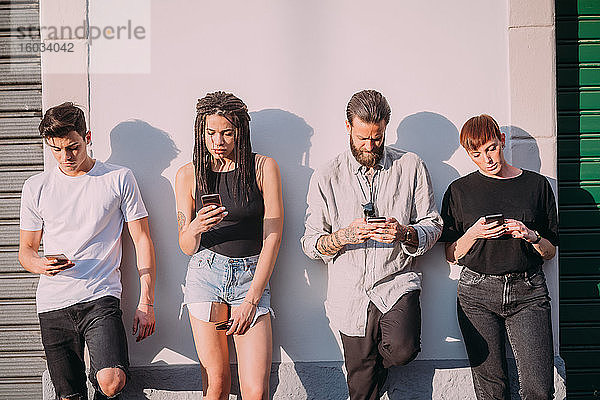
<point x="79" y="208"/>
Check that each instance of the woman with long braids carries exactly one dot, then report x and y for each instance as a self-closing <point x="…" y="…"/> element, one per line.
<point x="233" y="246"/>
<point x="500" y="224"/>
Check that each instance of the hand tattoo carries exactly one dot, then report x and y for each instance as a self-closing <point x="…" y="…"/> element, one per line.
<point x="350" y="235"/>
<point x="180" y="220"/>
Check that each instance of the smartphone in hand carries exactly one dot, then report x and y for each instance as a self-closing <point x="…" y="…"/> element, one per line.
<point x="211" y="199"/>
<point x="374" y="220"/>
<point x="494" y="217"/>
<point x="58" y="259"/>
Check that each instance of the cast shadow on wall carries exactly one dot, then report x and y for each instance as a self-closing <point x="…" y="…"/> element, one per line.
<point x="148" y="151"/>
<point x="434" y="139"/>
<point x="296" y="279"/>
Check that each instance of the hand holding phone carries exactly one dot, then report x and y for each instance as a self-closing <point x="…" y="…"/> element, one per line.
<point x="210" y="199"/>
<point x="494" y="218"/>
<point x="211" y="213"/>
<point x="223" y="325"/>
<point x="375" y="220"/>
<point x="58" y="263"/>
<point x="484" y="227"/>
<point x="57" y="259"/>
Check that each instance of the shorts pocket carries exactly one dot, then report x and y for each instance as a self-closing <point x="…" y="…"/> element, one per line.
<point x="199" y="260"/>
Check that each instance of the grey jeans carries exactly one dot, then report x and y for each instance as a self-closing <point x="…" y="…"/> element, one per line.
<point x="517" y="305"/>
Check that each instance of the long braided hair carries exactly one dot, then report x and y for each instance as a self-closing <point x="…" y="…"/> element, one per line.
<point x="235" y="111"/>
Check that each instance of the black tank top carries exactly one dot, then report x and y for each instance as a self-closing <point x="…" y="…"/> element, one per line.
<point x="240" y="233"/>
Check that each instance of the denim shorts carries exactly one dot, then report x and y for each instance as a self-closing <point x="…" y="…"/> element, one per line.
<point x="215" y="278"/>
<point x="96" y="323"/>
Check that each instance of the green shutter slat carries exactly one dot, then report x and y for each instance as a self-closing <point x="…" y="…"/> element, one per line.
<point x="579" y="242"/>
<point x="584" y="147"/>
<point x="580" y="219"/>
<point x="571" y="77"/>
<point x="581" y="358"/>
<point x="589" y="29"/>
<point x="579" y="7"/>
<point x="587" y="382"/>
<point x="573" y="101"/>
<point x="583" y="170"/>
<point x="576" y="124"/>
<point x="580" y="289"/>
<point x="579" y="335"/>
<point x="582" y="195"/>
<point x="579" y="265"/>
<point x="574" y="53"/>
<point x="567" y="30"/>
<point x="578" y="312"/>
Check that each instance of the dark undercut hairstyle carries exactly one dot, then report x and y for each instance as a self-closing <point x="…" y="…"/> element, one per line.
<point x="235" y="111"/>
<point x="369" y="106"/>
<point x="479" y="130"/>
<point x="62" y="119"/>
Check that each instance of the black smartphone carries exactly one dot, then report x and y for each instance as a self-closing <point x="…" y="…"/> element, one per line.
<point x="372" y="220"/>
<point x="494" y="217"/>
<point x="223" y="325"/>
<point x="211" y="199"/>
<point x="58" y="258"/>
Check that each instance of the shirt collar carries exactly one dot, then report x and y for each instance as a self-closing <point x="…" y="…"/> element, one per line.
<point x="383" y="163"/>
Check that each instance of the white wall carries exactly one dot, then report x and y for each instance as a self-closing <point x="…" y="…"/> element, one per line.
<point x="296" y="64"/>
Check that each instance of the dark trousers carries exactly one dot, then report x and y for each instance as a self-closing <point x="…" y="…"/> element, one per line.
<point x="393" y="338"/>
<point x="64" y="334"/>
<point x="491" y="307"/>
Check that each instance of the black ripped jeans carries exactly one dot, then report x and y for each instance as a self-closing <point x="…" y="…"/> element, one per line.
<point x="393" y="338"/>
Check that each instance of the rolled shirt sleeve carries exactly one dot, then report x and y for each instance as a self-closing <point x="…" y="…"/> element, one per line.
<point x="316" y="223"/>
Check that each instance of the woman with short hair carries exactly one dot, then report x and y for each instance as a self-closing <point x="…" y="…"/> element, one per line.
<point x="500" y="224"/>
<point x="230" y="217"/>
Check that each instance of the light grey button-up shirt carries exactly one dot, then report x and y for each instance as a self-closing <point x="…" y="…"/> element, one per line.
<point x="369" y="271"/>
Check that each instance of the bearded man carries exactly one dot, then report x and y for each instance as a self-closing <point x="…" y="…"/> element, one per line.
<point x="371" y="211"/>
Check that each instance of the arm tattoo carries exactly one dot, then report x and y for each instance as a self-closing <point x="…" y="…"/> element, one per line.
<point x="180" y="220"/>
<point x="330" y="244"/>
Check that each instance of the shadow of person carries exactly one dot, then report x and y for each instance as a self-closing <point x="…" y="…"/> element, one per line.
<point x="525" y="154"/>
<point x="435" y="139"/>
<point x="148" y="151"/>
<point x="298" y="293"/>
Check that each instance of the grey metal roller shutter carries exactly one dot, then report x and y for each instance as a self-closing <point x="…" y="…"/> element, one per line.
<point x="21" y="354"/>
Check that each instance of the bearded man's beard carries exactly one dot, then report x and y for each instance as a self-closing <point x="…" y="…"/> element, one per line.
<point x="367" y="158"/>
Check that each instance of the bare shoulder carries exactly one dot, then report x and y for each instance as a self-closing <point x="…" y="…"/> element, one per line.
<point x="265" y="164"/>
<point x="185" y="174"/>
<point x="185" y="177"/>
<point x="266" y="170"/>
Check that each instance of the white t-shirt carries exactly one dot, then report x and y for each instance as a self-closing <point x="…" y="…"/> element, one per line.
<point x="81" y="217"/>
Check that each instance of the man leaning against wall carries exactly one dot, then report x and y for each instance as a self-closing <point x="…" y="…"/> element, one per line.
<point x="371" y="211"/>
<point x="79" y="208"/>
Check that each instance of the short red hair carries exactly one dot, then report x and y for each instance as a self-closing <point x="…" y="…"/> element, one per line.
<point x="479" y="130"/>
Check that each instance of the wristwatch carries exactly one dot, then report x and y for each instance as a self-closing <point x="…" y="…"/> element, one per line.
<point x="407" y="234"/>
<point x="538" y="237"/>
